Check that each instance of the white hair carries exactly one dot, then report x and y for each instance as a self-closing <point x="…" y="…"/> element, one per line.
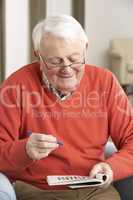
<point x="63" y="26"/>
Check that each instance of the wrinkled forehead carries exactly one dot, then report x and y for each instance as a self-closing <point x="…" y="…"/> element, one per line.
<point x="54" y="44"/>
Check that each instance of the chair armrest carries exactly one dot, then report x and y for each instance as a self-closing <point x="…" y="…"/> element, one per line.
<point x="110" y="148"/>
<point x="115" y="53"/>
<point x="130" y="66"/>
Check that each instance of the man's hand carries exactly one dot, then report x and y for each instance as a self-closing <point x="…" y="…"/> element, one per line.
<point x="103" y="168"/>
<point x="39" y="146"/>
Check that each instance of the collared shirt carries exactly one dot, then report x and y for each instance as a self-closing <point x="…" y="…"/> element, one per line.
<point x="51" y="88"/>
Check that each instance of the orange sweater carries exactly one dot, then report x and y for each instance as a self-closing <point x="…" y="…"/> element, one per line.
<point x="83" y="122"/>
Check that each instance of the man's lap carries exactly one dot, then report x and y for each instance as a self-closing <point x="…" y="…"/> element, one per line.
<point x="25" y="191"/>
<point x="124" y="187"/>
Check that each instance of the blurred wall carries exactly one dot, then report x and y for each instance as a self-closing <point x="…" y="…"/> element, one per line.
<point x="20" y="18"/>
<point x="54" y="7"/>
<point x="16" y="34"/>
<point x="103" y="20"/>
<point x="2" y="39"/>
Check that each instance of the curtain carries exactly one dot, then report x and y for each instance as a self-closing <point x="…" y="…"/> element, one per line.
<point x="37" y="11"/>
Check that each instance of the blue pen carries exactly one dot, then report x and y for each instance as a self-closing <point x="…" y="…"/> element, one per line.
<point x="29" y="132"/>
<point x="60" y="143"/>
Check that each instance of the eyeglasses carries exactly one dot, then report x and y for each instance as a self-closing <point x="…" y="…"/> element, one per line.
<point x="50" y="66"/>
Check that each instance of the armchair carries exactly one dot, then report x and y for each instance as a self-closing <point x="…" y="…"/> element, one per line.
<point x="121" y="56"/>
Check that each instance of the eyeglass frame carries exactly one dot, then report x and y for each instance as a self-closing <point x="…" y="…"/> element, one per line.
<point x="46" y="64"/>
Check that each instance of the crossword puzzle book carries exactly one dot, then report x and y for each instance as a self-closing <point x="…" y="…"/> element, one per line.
<point x="75" y="181"/>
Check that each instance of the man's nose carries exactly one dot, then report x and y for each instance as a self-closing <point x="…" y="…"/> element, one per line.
<point x="66" y="62"/>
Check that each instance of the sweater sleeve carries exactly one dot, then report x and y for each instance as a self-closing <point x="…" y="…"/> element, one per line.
<point x="120" y="123"/>
<point x="13" y="157"/>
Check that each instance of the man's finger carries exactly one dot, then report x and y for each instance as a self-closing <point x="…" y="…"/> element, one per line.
<point x="95" y="170"/>
<point x="47" y="145"/>
<point x="44" y="137"/>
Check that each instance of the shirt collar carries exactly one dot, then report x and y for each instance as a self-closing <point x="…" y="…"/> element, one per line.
<point x="51" y="88"/>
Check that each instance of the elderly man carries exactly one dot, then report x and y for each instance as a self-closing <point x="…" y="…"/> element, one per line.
<point x="56" y="117"/>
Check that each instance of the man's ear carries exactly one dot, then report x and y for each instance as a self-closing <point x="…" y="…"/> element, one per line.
<point x="86" y="46"/>
<point x="86" y="50"/>
<point x="35" y="53"/>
